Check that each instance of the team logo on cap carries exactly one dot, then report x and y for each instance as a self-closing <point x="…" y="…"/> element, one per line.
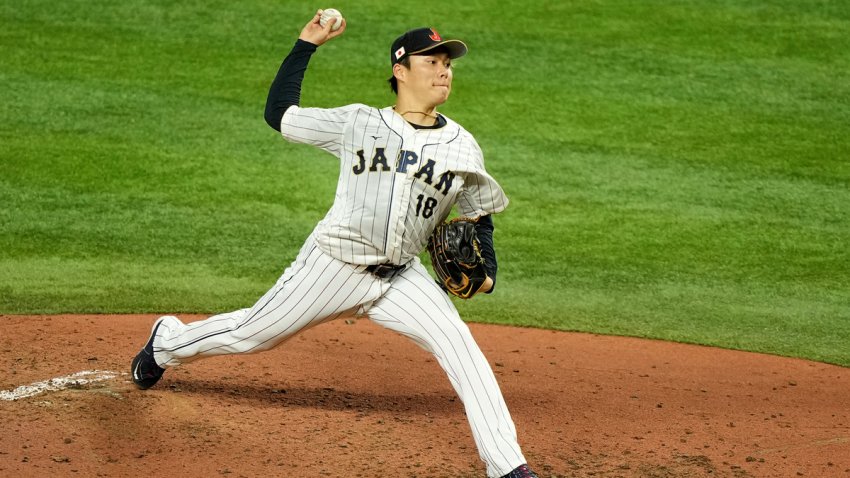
<point x="399" y="53"/>
<point x="435" y="36"/>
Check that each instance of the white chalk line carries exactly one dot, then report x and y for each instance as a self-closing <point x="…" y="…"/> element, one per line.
<point x="59" y="383"/>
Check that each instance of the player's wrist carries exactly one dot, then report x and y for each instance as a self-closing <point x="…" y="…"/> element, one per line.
<point x="303" y="44"/>
<point x="487" y="285"/>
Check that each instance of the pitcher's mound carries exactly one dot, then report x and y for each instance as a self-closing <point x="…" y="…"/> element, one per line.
<point x="349" y="398"/>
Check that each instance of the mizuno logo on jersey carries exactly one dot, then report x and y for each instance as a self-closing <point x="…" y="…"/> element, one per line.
<point x="404" y="161"/>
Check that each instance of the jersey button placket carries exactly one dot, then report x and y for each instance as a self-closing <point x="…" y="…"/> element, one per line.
<point x="397" y="212"/>
<point x="403" y="204"/>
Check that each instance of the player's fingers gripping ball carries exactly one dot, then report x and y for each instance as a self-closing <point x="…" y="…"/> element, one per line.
<point x="331" y="15"/>
<point x="456" y="257"/>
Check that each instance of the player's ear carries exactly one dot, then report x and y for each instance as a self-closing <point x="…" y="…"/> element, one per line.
<point x="399" y="72"/>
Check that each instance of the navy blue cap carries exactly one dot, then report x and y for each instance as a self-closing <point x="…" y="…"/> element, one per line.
<point x="422" y="40"/>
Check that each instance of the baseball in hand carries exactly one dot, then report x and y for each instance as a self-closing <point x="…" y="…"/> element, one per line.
<point x="329" y="14"/>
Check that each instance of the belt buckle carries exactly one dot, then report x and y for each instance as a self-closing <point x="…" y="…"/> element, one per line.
<point x="395" y="271"/>
<point x="387" y="271"/>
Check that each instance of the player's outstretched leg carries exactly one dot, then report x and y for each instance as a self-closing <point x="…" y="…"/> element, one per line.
<point x="416" y="307"/>
<point x="314" y="289"/>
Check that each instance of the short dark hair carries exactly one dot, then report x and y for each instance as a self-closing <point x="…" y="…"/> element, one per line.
<point x="405" y="62"/>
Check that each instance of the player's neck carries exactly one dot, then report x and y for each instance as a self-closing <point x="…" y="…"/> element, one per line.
<point x="416" y="112"/>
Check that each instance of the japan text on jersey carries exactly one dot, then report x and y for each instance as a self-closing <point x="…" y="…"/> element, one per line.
<point x="396" y="182"/>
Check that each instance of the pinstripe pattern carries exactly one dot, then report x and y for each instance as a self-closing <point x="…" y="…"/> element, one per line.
<point x="396" y="183"/>
<point x="382" y="215"/>
<point x="316" y="288"/>
<point x="415" y="307"/>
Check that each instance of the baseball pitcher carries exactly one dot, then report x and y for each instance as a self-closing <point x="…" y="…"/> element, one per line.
<point x="403" y="168"/>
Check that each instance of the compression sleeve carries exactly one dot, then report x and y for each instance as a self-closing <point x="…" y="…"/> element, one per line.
<point x="286" y="87"/>
<point x="484" y="232"/>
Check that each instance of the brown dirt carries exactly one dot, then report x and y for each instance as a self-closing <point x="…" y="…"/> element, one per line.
<point x="352" y="399"/>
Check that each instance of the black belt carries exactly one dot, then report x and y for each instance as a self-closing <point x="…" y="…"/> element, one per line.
<point x="385" y="271"/>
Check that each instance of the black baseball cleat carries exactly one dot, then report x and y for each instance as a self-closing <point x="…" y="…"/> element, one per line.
<point x="522" y="471"/>
<point x="145" y="370"/>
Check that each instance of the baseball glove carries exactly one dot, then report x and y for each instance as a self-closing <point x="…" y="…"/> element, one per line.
<point x="456" y="258"/>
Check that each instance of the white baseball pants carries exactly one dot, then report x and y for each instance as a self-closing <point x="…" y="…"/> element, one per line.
<point x="318" y="288"/>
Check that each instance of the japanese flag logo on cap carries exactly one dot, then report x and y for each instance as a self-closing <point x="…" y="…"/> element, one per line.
<point x="399" y="53"/>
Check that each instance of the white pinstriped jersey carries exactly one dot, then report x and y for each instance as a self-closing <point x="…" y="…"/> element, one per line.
<point x="396" y="182"/>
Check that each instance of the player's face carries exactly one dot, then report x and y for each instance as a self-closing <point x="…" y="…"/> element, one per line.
<point x="430" y="77"/>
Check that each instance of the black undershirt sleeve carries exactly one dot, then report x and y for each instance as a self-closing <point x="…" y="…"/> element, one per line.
<point x="286" y="87"/>
<point x="484" y="233"/>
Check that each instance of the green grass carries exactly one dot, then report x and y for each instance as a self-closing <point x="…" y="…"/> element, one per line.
<point x="677" y="170"/>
